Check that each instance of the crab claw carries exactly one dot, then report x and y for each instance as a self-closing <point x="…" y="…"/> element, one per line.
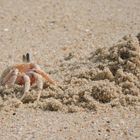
<point x="10" y="78"/>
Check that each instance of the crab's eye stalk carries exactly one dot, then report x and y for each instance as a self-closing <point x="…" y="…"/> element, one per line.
<point x="28" y="57"/>
<point x="24" y="58"/>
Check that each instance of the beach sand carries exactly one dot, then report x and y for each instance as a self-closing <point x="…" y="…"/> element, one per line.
<point x="92" y="50"/>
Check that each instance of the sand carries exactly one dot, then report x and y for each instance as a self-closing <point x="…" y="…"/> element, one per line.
<point x="94" y="57"/>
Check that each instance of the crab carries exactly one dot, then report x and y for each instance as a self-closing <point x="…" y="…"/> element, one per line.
<point x="26" y="74"/>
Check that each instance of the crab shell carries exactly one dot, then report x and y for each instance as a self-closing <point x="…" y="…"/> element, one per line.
<point x="26" y="68"/>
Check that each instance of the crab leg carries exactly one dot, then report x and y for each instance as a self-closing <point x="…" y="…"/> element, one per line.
<point x="10" y="78"/>
<point x="26" y="85"/>
<point x="44" y="75"/>
<point x="39" y="82"/>
<point x="37" y="69"/>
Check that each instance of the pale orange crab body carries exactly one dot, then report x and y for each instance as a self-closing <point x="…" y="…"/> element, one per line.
<point x="24" y="68"/>
<point x="25" y="74"/>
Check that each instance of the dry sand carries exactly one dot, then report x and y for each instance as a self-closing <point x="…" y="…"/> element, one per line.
<point x="81" y="44"/>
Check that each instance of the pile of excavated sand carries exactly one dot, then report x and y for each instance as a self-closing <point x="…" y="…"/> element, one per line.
<point x="109" y="77"/>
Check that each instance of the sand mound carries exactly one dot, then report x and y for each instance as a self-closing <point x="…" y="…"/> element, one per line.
<point x="109" y="77"/>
